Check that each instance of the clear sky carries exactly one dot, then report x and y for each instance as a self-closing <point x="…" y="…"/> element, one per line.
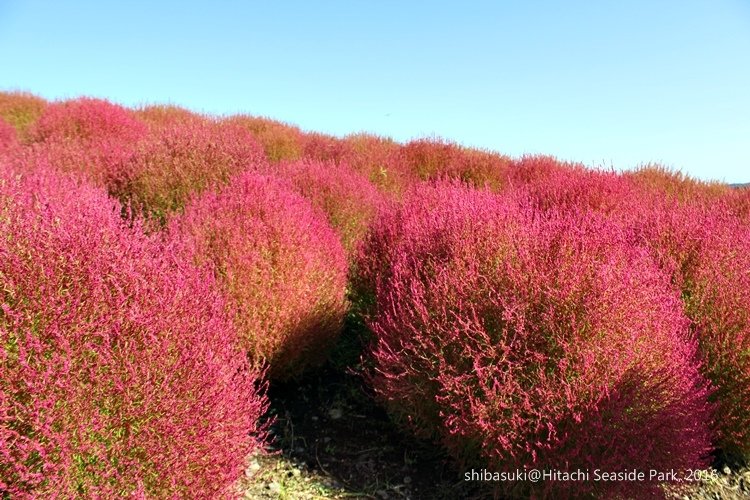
<point x="601" y="82"/>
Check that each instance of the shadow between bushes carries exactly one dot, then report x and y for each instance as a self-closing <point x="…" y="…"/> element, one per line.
<point x="329" y="429"/>
<point x="330" y="425"/>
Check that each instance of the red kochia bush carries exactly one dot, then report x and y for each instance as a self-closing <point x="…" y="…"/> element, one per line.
<point x="280" y="140"/>
<point x="379" y="159"/>
<point x="675" y="185"/>
<point x="160" y="115"/>
<point x="348" y="199"/>
<point x="433" y="158"/>
<point x="551" y="185"/>
<point x="718" y="300"/>
<point x="537" y="168"/>
<point x="21" y="110"/>
<point x="705" y="251"/>
<point x="521" y="340"/>
<point x="99" y="161"/>
<point x="120" y="370"/>
<point x="323" y="147"/>
<point x="86" y="136"/>
<point x="8" y="137"/>
<point x="87" y="119"/>
<point x="182" y="159"/>
<point x="739" y="202"/>
<point x="280" y="263"/>
<point x="700" y="245"/>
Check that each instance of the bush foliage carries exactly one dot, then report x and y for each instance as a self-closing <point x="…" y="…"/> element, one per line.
<point x="21" y="110"/>
<point x="8" y="136"/>
<point x="183" y="159"/>
<point x="280" y="141"/>
<point x="704" y="252"/>
<point x="527" y="341"/>
<point x="348" y="199"/>
<point x="87" y="119"/>
<point x="120" y="370"/>
<point x="430" y="159"/>
<point x="279" y="262"/>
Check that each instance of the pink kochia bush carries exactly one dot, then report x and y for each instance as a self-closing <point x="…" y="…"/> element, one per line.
<point x="717" y="298"/>
<point x="280" y="263"/>
<point x="348" y="199"/>
<point x="120" y="371"/>
<point x="538" y="169"/>
<point x="527" y="341"/>
<point x="181" y="159"/>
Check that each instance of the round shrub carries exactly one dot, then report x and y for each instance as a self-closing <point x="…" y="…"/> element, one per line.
<point x="538" y="169"/>
<point x="86" y="136"/>
<point x="280" y="140"/>
<point x="160" y="115"/>
<point x="21" y="110"/>
<point x="281" y="266"/>
<point x="100" y="162"/>
<point x="550" y="185"/>
<point x="430" y="159"/>
<point x="8" y="137"/>
<point x="674" y="185"/>
<point x="738" y="201"/>
<point x="717" y="299"/>
<point x="323" y="147"/>
<point x="182" y="159"/>
<point x="705" y="252"/>
<point x="120" y="370"/>
<point x="86" y="119"/>
<point x="348" y="199"/>
<point x="521" y="340"/>
<point x="379" y="159"/>
<point x="702" y="248"/>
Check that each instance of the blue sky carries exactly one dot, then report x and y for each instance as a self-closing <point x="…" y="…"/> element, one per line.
<point x="604" y="83"/>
